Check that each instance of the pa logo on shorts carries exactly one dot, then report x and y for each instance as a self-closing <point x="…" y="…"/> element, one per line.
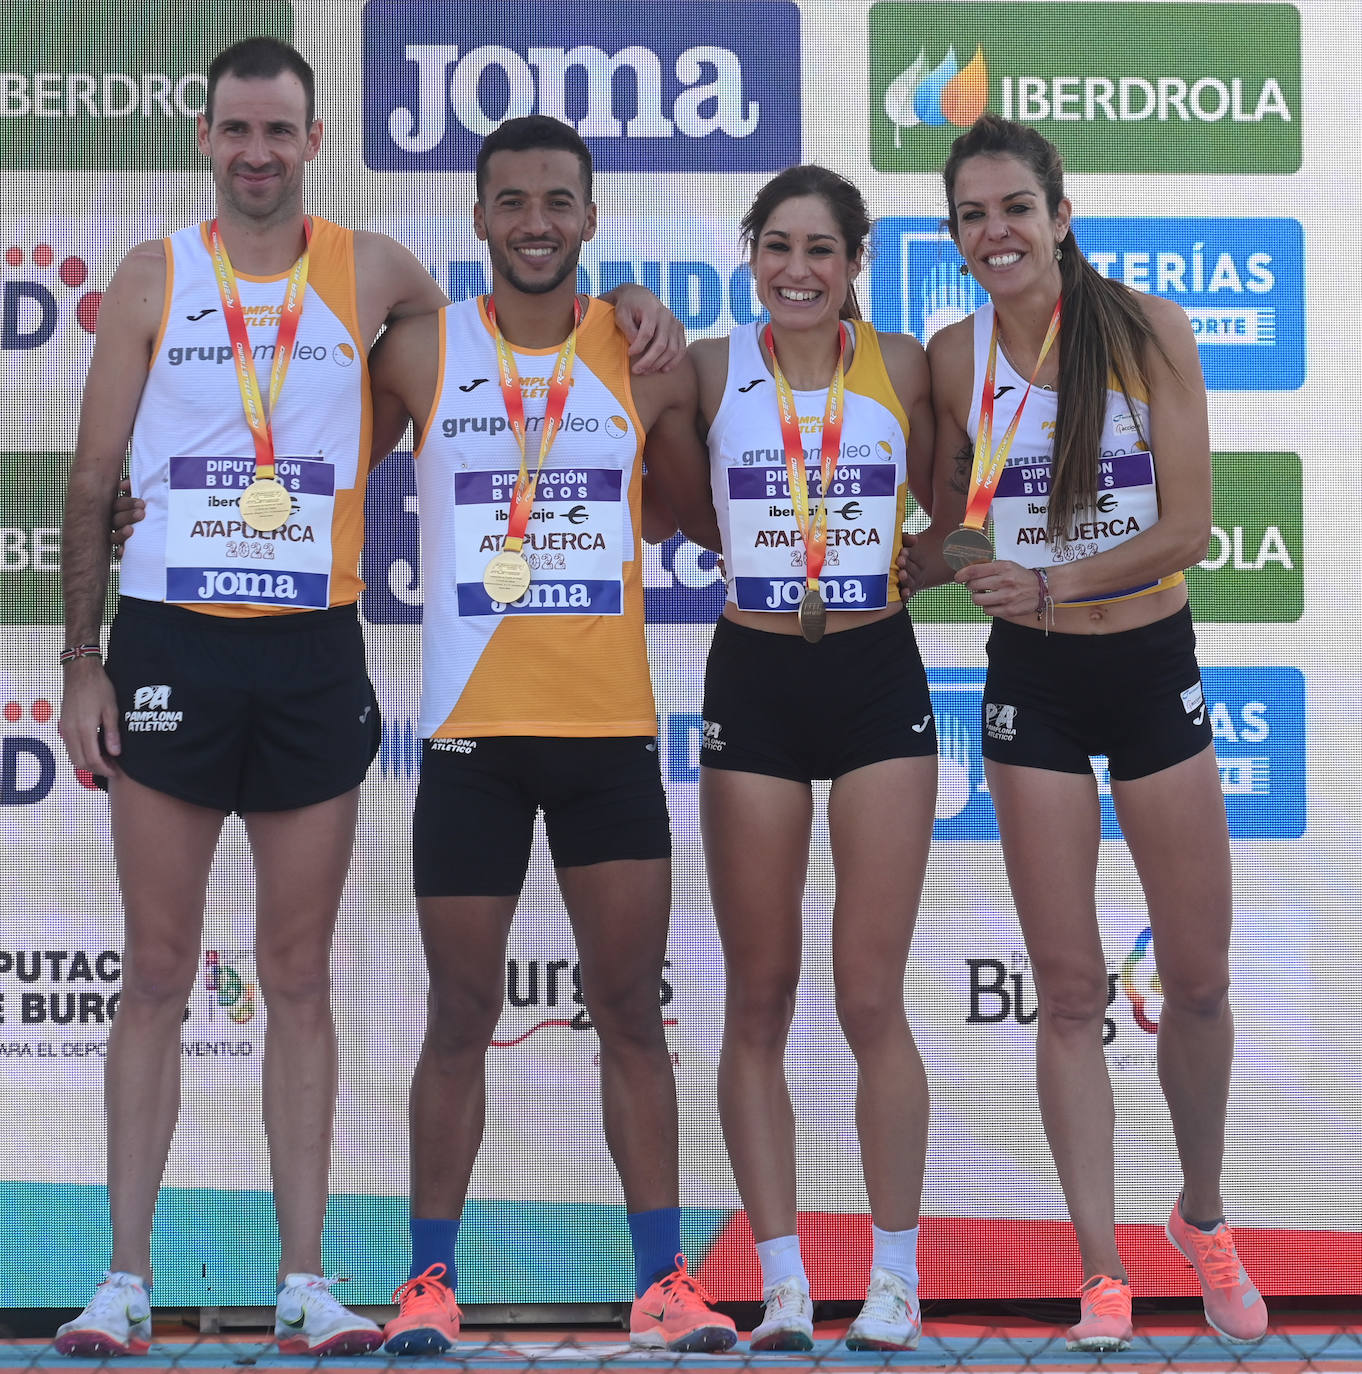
<point x="710" y="738"/>
<point x="151" y="711"/>
<point x="151" y="699"/>
<point x="1000" y="721"/>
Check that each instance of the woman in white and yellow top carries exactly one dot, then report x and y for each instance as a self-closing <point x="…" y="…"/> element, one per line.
<point x="814" y="672"/>
<point x="1103" y="499"/>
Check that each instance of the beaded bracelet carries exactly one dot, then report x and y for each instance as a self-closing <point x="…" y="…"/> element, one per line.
<point x="69" y="655"/>
<point x="1045" y="603"/>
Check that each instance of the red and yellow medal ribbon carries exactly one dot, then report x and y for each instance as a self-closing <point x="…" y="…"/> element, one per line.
<point x="989" y="462"/>
<point x="814" y="532"/>
<point x="290" y="316"/>
<point x="560" y="384"/>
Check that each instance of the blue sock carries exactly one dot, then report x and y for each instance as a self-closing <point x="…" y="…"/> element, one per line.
<point x="432" y="1242"/>
<point x="657" y="1242"/>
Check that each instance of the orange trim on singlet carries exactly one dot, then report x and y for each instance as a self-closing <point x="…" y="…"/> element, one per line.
<point x="169" y="256"/>
<point x="439" y="384"/>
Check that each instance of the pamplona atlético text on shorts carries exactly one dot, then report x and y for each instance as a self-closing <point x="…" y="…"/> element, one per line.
<point x="763" y="548"/>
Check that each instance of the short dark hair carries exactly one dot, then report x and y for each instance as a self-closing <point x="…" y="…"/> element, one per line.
<point x="262" y="58"/>
<point x="533" y="131"/>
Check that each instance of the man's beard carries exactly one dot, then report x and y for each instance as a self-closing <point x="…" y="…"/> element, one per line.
<point x="504" y="267"/>
<point x="278" y="206"/>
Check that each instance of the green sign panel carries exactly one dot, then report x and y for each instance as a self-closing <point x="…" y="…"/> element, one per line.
<point x="106" y="86"/>
<point x="1116" y="87"/>
<point x="1253" y="570"/>
<point x="32" y="494"/>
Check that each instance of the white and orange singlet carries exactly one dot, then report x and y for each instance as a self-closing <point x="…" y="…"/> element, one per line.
<point x="567" y="659"/>
<point x="193" y="452"/>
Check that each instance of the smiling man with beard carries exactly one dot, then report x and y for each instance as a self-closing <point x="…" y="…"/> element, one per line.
<point x="536" y="694"/>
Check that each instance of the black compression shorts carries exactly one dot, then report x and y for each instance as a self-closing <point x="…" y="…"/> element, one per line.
<point x="776" y="705"/>
<point x="1051" y="701"/>
<point x="473" y="824"/>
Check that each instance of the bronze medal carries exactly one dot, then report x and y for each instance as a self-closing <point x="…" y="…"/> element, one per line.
<point x="813" y="615"/>
<point x="966" y="545"/>
<point x="265" y="504"/>
<point x="506" y="578"/>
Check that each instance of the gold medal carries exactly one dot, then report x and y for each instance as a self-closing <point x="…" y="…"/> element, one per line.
<point x="265" y="504"/>
<point x="813" y="615"/>
<point x="966" y="545"/>
<point x="506" y="578"/>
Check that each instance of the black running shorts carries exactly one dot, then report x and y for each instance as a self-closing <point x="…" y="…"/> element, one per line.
<point x="777" y="705"/>
<point x="261" y="713"/>
<point x="1052" y="701"/>
<point x="476" y="803"/>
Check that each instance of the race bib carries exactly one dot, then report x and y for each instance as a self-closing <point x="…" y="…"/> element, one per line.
<point x="574" y="543"/>
<point x="213" y="555"/>
<point x="766" y="553"/>
<point x="1127" y="502"/>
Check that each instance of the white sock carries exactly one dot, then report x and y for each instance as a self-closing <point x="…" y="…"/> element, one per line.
<point x="781" y="1260"/>
<point x="896" y="1251"/>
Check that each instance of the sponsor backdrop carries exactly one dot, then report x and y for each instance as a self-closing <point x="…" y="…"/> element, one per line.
<point x="1212" y="162"/>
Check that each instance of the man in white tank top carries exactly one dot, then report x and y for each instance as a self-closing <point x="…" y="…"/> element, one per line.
<point x="259" y="132"/>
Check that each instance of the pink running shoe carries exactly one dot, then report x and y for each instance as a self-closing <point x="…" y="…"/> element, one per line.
<point x="1104" y="1316"/>
<point x="1234" y="1306"/>
<point x="675" y="1314"/>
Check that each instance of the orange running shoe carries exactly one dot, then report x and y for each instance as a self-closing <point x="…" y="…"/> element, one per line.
<point x="427" y="1321"/>
<point x="1234" y="1306"/>
<point x="1104" y="1316"/>
<point x="675" y="1314"/>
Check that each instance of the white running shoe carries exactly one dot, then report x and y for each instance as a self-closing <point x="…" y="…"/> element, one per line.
<point x="116" y="1321"/>
<point x="890" y="1319"/>
<point x="788" y="1321"/>
<point x="309" y="1321"/>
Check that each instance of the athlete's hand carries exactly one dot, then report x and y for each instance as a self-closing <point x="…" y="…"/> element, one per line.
<point x="911" y="572"/>
<point x="89" y="717"/>
<point x="657" y="340"/>
<point x="1005" y="589"/>
<point x="127" y="511"/>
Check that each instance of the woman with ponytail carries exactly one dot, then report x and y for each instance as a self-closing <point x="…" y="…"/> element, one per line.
<point x="1071" y="412"/>
<point x="814" y="672"/>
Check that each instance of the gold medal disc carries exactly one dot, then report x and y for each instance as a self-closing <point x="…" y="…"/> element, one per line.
<point x="506" y="578"/>
<point x="265" y="504"/>
<point x="966" y="545"/>
<point x="813" y="615"/>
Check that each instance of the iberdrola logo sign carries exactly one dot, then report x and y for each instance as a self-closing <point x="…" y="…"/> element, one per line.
<point x="947" y="94"/>
<point x="1172" y="87"/>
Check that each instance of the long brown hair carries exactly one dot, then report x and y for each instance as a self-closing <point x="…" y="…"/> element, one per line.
<point x="845" y="203"/>
<point x="1105" y="332"/>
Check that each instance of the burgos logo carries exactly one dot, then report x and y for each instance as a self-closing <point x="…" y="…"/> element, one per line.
<point x="701" y="87"/>
<point x="544" y="994"/>
<point x="1140" y="983"/>
<point x="1118" y="87"/>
